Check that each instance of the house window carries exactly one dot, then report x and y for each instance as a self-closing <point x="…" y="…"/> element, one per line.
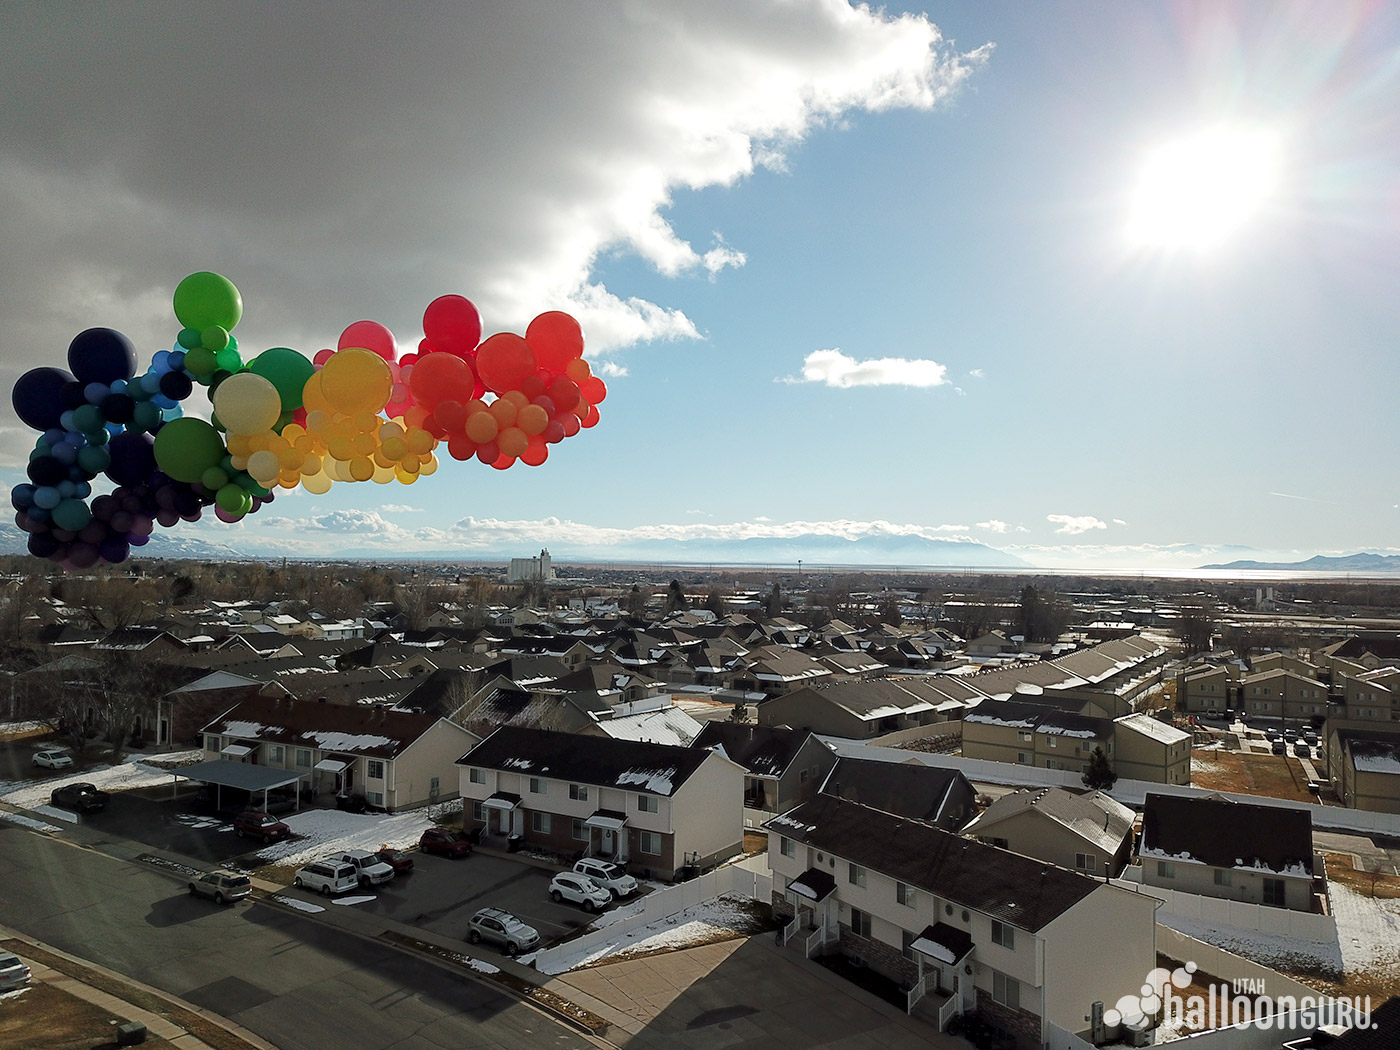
<point x="478" y="812"/>
<point x="274" y="754"/>
<point x="1022" y="759"/>
<point x="303" y="758"/>
<point x="1052" y="742"/>
<point x="538" y="786"/>
<point x="539" y="822"/>
<point x="1086" y="861"/>
<point x="648" y="804"/>
<point x="1222" y="876"/>
<point x="651" y="843"/>
<point x="1274" y="892"/>
<point x="906" y="895"/>
<point x="374" y="798"/>
<point x="1003" y="934"/>
<point x="860" y="922"/>
<point x="1166" y="869"/>
<point x="1024" y="736"/>
<point x="855" y="875"/>
<point x="786" y="846"/>
<point x="578" y="792"/>
<point x="211" y="743"/>
<point x="476" y="775"/>
<point x="580" y="832"/>
<point x="802" y="777"/>
<point x="374" y="769"/>
<point x="1006" y="990"/>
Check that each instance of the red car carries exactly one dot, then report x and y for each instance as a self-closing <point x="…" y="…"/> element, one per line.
<point x="445" y="841"/>
<point x="255" y="824"/>
<point x="400" y="861"/>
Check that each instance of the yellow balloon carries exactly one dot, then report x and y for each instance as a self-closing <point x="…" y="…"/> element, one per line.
<point x="264" y="467"/>
<point x="316" y="484"/>
<point x="313" y="398"/>
<point x="404" y="476"/>
<point x="355" y="381"/>
<point x="247" y="403"/>
<point x="311" y="464"/>
<point x="362" y="468"/>
<point x="383" y="475"/>
<point x="429" y="466"/>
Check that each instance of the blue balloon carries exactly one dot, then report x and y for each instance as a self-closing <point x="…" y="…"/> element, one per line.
<point x="100" y="355"/>
<point x="22" y="496"/>
<point x="54" y="435"/>
<point x="93" y="393"/>
<point x="177" y="360"/>
<point x="38" y="397"/>
<point x="65" y="453"/>
<point x="66" y="419"/>
<point x="47" y="497"/>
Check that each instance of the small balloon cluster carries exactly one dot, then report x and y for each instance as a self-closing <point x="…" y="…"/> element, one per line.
<point x="357" y="413"/>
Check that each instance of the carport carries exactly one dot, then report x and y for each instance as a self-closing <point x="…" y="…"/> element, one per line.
<point x="237" y="775"/>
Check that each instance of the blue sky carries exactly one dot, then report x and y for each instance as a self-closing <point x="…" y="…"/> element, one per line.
<point x="744" y="204"/>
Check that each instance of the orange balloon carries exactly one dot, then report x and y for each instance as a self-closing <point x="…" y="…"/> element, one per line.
<point x="578" y="370"/>
<point x="532" y="419"/>
<point x="504" y="361"/>
<point x="556" y="339"/>
<point x="312" y="397"/>
<point x="512" y="441"/>
<point x="482" y="427"/>
<point x="504" y="411"/>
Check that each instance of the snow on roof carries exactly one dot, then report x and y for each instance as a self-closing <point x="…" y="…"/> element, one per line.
<point x="332" y="741"/>
<point x="243" y="729"/>
<point x="1154" y="727"/>
<point x="658" y="780"/>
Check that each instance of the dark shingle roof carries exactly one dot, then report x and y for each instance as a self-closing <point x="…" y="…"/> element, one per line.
<point x="1026" y="893"/>
<point x="910" y="790"/>
<point x="1227" y="834"/>
<point x="765" y="751"/>
<point x="374" y="731"/>
<point x="657" y="769"/>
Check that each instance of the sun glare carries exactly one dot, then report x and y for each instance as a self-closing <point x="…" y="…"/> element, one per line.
<point x="1196" y="192"/>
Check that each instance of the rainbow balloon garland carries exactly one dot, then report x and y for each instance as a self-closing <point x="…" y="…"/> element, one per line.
<point x="357" y="413"/>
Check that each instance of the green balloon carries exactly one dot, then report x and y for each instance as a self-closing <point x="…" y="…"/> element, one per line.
<point x="94" y="459"/>
<point x="203" y="300"/>
<point x="188" y="338"/>
<point x="214" y="479"/>
<point x="231" y="498"/>
<point x="201" y="363"/>
<point x="71" y="514"/>
<point x="146" y="416"/>
<point x="229" y="360"/>
<point x="214" y="338"/>
<point x="187" y="447"/>
<point x="286" y="370"/>
<point x="88" y="418"/>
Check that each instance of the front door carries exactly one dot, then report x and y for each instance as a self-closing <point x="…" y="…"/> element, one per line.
<point x="605" y="841"/>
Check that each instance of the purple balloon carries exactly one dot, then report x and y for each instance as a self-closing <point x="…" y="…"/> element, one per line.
<point x="101" y="355"/>
<point x="82" y="555"/>
<point x="225" y="516"/>
<point x="114" y="550"/>
<point x="38" y="397"/>
<point x="133" y="458"/>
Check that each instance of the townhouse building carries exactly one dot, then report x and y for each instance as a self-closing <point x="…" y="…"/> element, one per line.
<point x="1283" y="694"/>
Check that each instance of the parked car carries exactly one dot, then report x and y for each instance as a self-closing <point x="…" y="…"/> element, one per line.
<point x="1302" y="750"/>
<point x="222" y="887"/>
<point x="53" y="758"/>
<point x="1280" y="747"/>
<point x="1272" y="733"/>
<point x="400" y="861"/>
<point x="503" y="929"/>
<point x="254" y="823"/>
<point x="1310" y="735"/>
<point x="580" y="889"/>
<point x="83" y="797"/>
<point x="608" y="875"/>
<point x="445" y="841"/>
<point x="13" y="972"/>
<point x="1290" y="734"/>
<point x="351" y="803"/>
<point x="327" y="876"/>
<point x="369" y="869"/>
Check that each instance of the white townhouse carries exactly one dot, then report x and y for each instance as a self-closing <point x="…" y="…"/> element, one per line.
<point x="961" y="924"/>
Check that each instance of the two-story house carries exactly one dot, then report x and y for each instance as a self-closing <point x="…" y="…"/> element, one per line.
<point x="783" y="767"/>
<point x="1283" y="694"/>
<point x="958" y="922"/>
<point x="652" y="807"/>
<point x="1030" y="734"/>
<point x="1087" y="832"/>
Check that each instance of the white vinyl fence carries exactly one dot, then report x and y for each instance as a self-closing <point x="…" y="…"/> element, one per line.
<point x="1301" y="925"/>
<point x="672" y="900"/>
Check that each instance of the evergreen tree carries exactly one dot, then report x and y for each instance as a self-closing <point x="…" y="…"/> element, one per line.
<point x="1100" y="775"/>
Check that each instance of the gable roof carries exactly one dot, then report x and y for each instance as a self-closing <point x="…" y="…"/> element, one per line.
<point x="910" y="789"/>
<point x="374" y="731"/>
<point x="1094" y="816"/>
<point x="656" y="769"/>
<point x="1223" y="834"/>
<point x="1014" y="889"/>
<point x="765" y="751"/>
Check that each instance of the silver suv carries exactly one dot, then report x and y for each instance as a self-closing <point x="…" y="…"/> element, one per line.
<point x="369" y="869"/>
<point x="503" y="929"/>
<point x="610" y="876"/>
<point x="222" y="886"/>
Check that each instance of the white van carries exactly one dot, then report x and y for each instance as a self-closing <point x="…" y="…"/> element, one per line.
<point x="326" y="876"/>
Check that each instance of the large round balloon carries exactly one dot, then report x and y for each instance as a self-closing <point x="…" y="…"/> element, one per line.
<point x="452" y="324"/>
<point x="186" y="447"/>
<point x="101" y="355"/>
<point x="504" y="361"/>
<point x="247" y="403"/>
<point x="133" y="458"/>
<point x="556" y="339"/>
<point x="441" y="377"/>
<point x="286" y="370"/>
<point x="370" y="335"/>
<point x="355" y="380"/>
<point x="208" y="300"/>
<point x="38" y="397"/>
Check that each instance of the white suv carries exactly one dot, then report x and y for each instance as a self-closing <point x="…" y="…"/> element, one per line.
<point x="327" y="876"/>
<point x="369" y="869"/>
<point x="608" y="875"/>
<point x="571" y="886"/>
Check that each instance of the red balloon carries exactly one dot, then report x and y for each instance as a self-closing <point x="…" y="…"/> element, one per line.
<point x="556" y="339"/>
<point x="590" y="420"/>
<point x="434" y="426"/>
<point x="504" y="362"/>
<point x="504" y="462"/>
<point x="441" y="377"/>
<point x="488" y="453"/>
<point x="592" y="390"/>
<point x="554" y="433"/>
<point x="534" y="386"/>
<point x="451" y="414"/>
<point x="536" y="453"/>
<point x="563" y="391"/>
<point x="460" y="447"/>
<point x="452" y="324"/>
<point x="370" y="335"/>
<point x="569" y="422"/>
<point x="322" y="356"/>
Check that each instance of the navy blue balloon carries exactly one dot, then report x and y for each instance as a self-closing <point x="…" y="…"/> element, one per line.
<point x="74" y="395"/>
<point x="114" y="549"/>
<point x="38" y="397"/>
<point x="101" y="355"/>
<point x="42" y="544"/>
<point x="133" y="458"/>
<point x="22" y="497"/>
<point x="176" y="385"/>
<point x="45" y="470"/>
<point x="118" y="408"/>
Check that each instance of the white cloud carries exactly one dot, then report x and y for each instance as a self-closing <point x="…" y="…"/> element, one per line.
<point x="610" y="369"/>
<point x="1119" y="521"/>
<point x="1071" y="525"/>
<point x="836" y="369"/>
<point x="976" y="373"/>
<point x="400" y="508"/>
<point x="993" y="525"/>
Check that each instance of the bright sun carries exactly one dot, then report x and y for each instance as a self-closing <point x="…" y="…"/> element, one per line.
<point x="1196" y="192"/>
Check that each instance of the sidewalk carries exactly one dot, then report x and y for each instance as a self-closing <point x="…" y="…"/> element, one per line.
<point x="164" y="1027"/>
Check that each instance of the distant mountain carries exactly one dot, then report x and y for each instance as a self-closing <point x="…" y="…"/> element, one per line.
<point x="162" y="545"/>
<point x="1363" y="562"/>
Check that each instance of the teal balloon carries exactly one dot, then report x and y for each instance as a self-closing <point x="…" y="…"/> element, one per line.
<point x="188" y="338"/>
<point x="287" y="371"/>
<point x="88" y="418"/>
<point x="185" y="448"/>
<point x="205" y="300"/>
<point x="94" y="459"/>
<point x="71" y="514"/>
<point x="145" y="416"/>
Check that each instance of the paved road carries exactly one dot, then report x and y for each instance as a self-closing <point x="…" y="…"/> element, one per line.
<point x="298" y="983"/>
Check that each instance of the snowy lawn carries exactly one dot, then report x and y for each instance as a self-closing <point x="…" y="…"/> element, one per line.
<point x="714" y="920"/>
<point x="1268" y="949"/>
<point x="324" y="831"/>
<point x="136" y="771"/>
<point x="1369" y="931"/>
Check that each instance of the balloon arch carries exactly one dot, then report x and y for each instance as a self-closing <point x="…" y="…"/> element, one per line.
<point x="357" y="413"/>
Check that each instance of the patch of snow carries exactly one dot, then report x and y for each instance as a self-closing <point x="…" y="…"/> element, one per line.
<point x="1277" y="950"/>
<point x="28" y="822"/>
<point x="14" y="993"/>
<point x="328" y="741"/>
<point x="169" y="758"/>
<point x="1368" y="929"/>
<point x="359" y="899"/>
<point x="479" y="965"/>
<point x="30" y="794"/>
<point x="15" y="728"/>
<point x="325" y="831"/>
<point x="658" y="780"/>
<point x="299" y="905"/>
<point x="244" y="729"/>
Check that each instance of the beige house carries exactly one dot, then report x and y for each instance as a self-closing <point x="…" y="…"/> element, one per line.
<point x="1283" y="662"/>
<point x="655" y="808"/>
<point x="1209" y="689"/>
<point x="1239" y="851"/>
<point x="1084" y="832"/>
<point x="963" y="925"/>
<point x="1038" y="735"/>
<point x="1146" y="748"/>
<point x="862" y="710"/>
<point x="1372" y="695"/>
<point x="396" y="759"/>
<point x="1283" y="694"/>
<point x="782" y="767"/>
<point x="1364" y="766"/>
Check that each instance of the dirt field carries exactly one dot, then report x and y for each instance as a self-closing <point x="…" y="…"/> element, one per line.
<point x="44" y="1018"/>
<point x="1275" y="776"/>
<point x="1340" y="869"/>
